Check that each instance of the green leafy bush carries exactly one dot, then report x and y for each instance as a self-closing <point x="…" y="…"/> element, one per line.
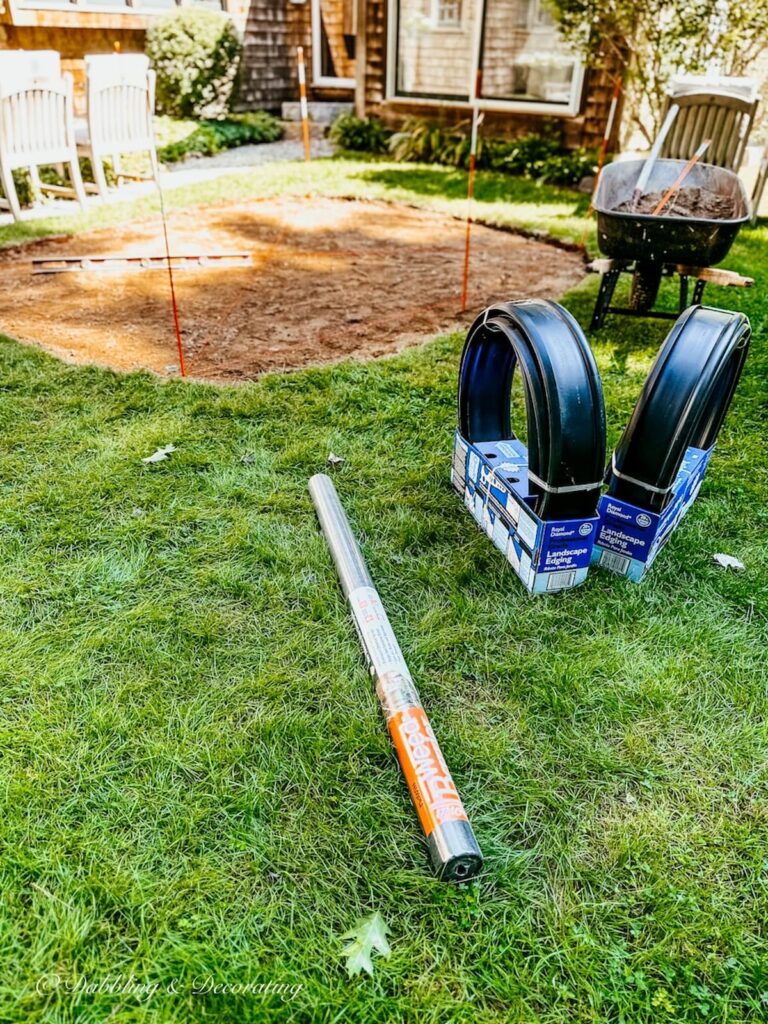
<point x="422" y="142"/>
<point x="207" y="138"/>
<point x="526" y="155"/>
<point x="196" y="54"/>
<point x="541" y="157"/>
<point x="50" y="176"/>
<point x="567" y="167"/>
<point x="360" y="134"/>
<point x="28" y="194"/>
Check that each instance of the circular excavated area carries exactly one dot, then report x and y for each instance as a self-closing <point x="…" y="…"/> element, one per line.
<point x="329" y="279"/>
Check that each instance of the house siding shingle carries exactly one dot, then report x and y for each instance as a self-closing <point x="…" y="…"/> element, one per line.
<point x="274" y="29"/>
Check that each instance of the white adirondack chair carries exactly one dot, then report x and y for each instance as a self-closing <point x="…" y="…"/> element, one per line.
<point x="36" y="129"/>
<point x="120" y="90"/>
<point x="30" y="66"/>
<point x="22" y="65"/>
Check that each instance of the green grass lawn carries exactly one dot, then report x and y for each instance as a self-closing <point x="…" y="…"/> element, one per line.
<point x="501" y="200"/>
<point x="197" y="785"/>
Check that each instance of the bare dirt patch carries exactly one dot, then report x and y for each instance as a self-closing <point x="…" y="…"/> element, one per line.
<point x="330" y="279"/>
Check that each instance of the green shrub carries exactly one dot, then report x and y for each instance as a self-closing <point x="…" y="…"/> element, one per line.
<point x="525" y="155"/>
<point x="360" y="134"/>
<point x="568" y="167"/>
<point x="541" y="157"/>
<point x="28" y="195"/>
<point x="196" y="54"/>
<point x="50" y="176"/>
<point x="210" y="137"/>
<point x="26" y="192"/>
<point x="422" y="142"/>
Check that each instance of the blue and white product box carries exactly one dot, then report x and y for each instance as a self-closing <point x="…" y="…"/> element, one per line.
<point x="492" y="478"/>
<point x="629" y="537"/>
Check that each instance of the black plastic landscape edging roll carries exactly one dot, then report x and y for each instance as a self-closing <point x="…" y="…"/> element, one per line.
<point x="683" y="403"/>
<point x="563" y="400"/>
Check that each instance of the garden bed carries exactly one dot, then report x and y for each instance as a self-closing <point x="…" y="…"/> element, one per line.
<point x="330" y="279"/>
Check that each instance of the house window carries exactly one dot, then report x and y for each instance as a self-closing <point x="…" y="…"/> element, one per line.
<point x="333" y="43"/>
<point x="433" y="63"/>
<point x="524" y="58"/>
<point x="448" y="13"/>
<point x="525" y="63"/>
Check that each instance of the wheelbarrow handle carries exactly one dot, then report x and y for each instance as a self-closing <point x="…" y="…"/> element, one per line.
<point x="677" y="183"/>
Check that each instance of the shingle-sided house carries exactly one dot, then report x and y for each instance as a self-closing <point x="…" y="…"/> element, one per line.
<point x="78" y="27"/>
<point x="391" y="58"/>
<point x="396" y="58"/>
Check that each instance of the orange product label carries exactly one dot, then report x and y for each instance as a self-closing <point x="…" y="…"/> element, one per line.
<point x="432" y="788"/>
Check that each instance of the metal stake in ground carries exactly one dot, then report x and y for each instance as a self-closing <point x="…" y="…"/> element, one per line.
<point x="477" y="118"/>
<point x="174" y="304"/>
<point x="169" y="261"/>
<point x="606" y="136"/>
<point x="455" y="854"/>
<point x="303" y="101"/>
<point x="603" y="151"/>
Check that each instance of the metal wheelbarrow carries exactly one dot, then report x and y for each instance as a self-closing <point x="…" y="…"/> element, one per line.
<point x="650" y="247"/>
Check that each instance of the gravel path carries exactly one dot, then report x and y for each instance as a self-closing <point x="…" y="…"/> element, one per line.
<point x="254" y="156"/>
<point x="187" y="172"/>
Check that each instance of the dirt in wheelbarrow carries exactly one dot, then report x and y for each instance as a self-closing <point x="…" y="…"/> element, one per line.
<point x="700" y="203"/>
<point x="329" y="279"/>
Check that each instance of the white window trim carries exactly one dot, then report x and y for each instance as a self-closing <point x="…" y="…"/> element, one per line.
<point x="570" y="109"/>
<point x="318" y="78"/>
<point x="534" y="18"/>
<point x="452" y="26"/>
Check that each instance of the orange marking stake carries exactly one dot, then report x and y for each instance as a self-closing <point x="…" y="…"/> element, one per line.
<point x="603" y="152"/>
<point x="171" y="283"/>
<point x="303" y="101"/>
<point x="606" y="139"/>
<point x="174" y="304"/>
<point x="477" y="119"/>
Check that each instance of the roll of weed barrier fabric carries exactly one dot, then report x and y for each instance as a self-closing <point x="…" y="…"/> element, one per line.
<point x="683" y="404"/>
<point x="456" y="857"/>
<point x="563" y="399"/>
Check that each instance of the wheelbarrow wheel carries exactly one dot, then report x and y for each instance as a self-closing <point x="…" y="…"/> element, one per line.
<point x="645" y="285"/>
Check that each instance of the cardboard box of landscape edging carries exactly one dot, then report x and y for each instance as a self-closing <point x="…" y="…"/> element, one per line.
<point x="629" y="538"/>
<point x="492" y="478"/>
